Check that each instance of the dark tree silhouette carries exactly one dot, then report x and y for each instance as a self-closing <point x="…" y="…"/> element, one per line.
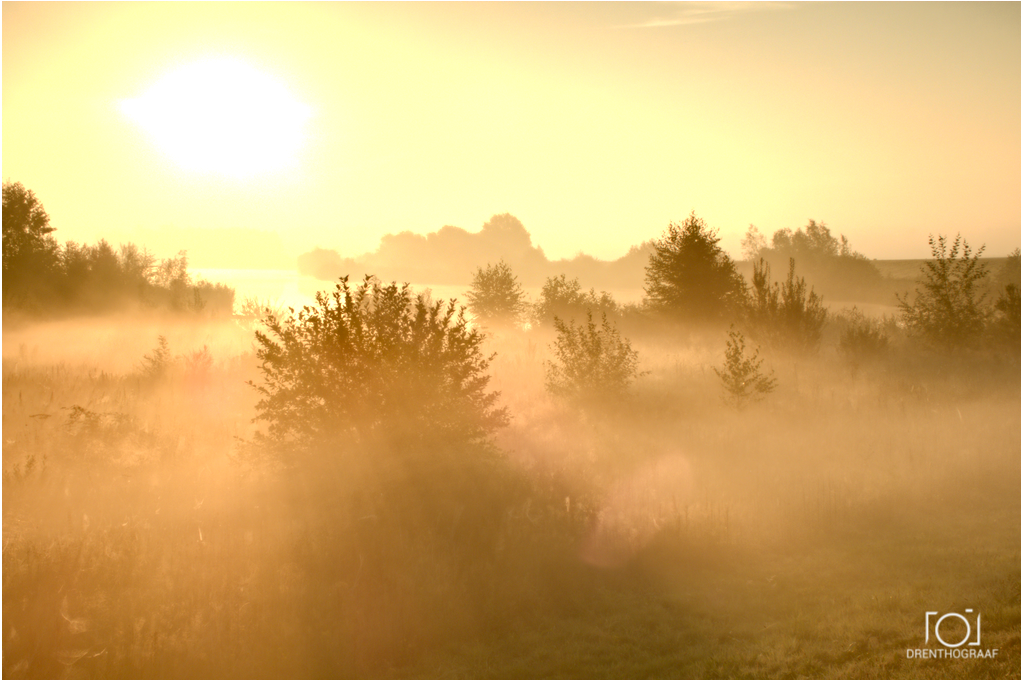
<point x="41" y="276"/>
<point x="689" y="276"/>
<point x="29" y="252"/>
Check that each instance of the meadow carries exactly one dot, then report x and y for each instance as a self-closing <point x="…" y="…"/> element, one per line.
<point x="668" y="536"/>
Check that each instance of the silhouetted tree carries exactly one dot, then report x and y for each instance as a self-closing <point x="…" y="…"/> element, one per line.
<point x="29" y="252"/>
<point x="373" y="364"/>
<point x="949" y="308"/>
<point x="689" y="276"/>
<point x="41" y="275"/>
<point x="496" y="296"/>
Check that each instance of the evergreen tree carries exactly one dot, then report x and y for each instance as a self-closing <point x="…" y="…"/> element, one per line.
<point x="690" y="277"/>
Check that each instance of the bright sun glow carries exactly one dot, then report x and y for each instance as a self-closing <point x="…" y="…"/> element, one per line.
<point x="222" y="116"/>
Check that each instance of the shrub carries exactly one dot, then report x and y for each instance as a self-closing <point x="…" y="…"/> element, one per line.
<point x="253" y="310"/>
<point x="949" y="309"/>
<point x="591" y="364"/>
<point x="741" y="375"/>
<point x="253" y="307"/>
<point x="496" y="297"/>
<point x="156" y="365"/>
<point x="565" y="299"/>
<point x="785" y="314"/>
<point x="374" y="364"/>
<point x="861" y="339"/>
<point x="689" y="277"/>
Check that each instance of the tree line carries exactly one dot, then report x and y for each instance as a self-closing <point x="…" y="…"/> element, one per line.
<point x="424" y="363"/>
<point x="42" y="276"/>
<point x="958" y="305"/>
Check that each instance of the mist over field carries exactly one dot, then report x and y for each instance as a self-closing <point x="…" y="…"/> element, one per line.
<point x="723" y="478"/>
<point x="511" y="340"/>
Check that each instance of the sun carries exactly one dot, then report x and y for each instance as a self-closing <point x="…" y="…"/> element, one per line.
<point x="222" y="116"/>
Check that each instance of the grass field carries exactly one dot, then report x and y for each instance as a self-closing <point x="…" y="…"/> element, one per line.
<point x="667" y="537"/>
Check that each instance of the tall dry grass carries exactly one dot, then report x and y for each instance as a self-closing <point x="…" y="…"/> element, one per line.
<point x="665" y="536"/>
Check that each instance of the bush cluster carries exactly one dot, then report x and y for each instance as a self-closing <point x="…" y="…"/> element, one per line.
<point x="42" y="276"/>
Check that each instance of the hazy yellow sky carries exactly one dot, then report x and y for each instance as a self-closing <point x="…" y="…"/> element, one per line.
<point x="594" y="124"/>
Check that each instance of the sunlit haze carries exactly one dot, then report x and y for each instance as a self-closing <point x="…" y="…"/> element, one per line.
<point x="595" y="125"/>
<point x="511" y="340"/>
<point x="221" y="116"/>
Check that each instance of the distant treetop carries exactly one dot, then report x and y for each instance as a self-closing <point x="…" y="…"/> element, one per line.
<point x="689" y="276"/>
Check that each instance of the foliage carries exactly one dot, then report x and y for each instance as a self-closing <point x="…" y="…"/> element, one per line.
<point x="565" y="299"/>
<point x="741" y="375"/>
<point x="253" y="310"/>
<point x="254" y="307"/>
<point x="156" y="364"/>
<point x="829" y="261"/>
<point x="754" y="244"/>
<point x="256" y="577"/>
<point x="25" y="222"/>
<point x="496" y="296"/>
<point x="949" y="309"/>
<point x="160" y="364"/>
<point x="29" y="251"/>
<point x="689" y="276"/>
<point x="785" y="314"/>
<point x="374" y="363"/>
<point x="41" y="275"/>
<point x="861" y="339"/>
<point x="812" y="243"/>
<point x="590" y="363"/>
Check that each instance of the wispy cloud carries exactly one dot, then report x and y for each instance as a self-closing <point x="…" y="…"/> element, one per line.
<point x="687" y="13"/>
